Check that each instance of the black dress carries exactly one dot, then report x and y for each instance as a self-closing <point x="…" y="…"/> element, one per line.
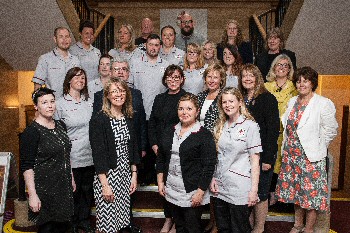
<point x="47" y="151"/>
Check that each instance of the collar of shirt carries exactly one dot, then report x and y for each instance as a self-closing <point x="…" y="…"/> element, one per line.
<point x="58" y="54"/>
<point x="239" y="121"/>
<point x="144" y="58"/>
<point x="195" y="128"/>
<point x="69" y="98"/>
<point x="80" y="45"/>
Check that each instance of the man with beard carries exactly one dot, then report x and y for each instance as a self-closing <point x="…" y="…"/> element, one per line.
<point x="187" y="35"/>
<point x="53" y="66"/>
<point x="147" y="71"/>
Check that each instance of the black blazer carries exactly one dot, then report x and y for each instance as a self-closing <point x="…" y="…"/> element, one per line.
<point x="103" y="145"/>
<point x="264" y="60"/>
<point x="139" y="117"/>
<point x="197" y="158"/>
<point x="264" y="109"/>
<point x="212" y="114"/>
<point x="163" y="115"/>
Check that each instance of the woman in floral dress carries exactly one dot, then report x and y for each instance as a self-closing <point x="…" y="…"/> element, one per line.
<point x="310" y="125"/>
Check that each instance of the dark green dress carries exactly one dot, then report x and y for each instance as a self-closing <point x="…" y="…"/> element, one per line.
<point x="46" y="151"/>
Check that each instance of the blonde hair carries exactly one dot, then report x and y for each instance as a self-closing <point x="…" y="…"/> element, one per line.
<point x="213" y="45"/>
<point x="259" y="81"/>
<point x="222" y="115"/>
<point x="220" y="69"/>
<point x="127" y="109"/>
<point x="271" y="76"/>
<point x="194" y="48"/>
<point x="131" y="45"/>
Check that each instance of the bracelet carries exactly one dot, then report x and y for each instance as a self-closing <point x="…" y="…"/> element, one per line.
<point x="135" y="171"/>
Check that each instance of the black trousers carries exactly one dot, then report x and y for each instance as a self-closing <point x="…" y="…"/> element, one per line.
<point x="54" y="227"/>
<point x="231" y="218"/>
<point x="83" y="195"/>
<point x="187" y="219"/>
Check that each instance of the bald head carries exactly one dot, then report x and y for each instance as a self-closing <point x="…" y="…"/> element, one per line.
<point x="146" y="27"/>
<point x="187" y="24"/>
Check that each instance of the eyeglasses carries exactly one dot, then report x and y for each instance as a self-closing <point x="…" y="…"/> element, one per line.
<point x="187" y="22"/>
<point x="173" y="78"/>
<point x="117" y="91"/>
<point x="124" y="69"/>
<point x="285" y="65"/>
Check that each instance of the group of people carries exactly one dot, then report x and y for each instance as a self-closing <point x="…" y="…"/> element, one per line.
<point x="220" y="130"/>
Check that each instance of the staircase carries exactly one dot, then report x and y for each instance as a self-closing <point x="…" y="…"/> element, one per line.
<point x="104" y="25"/>
<point x="259" y="25"/>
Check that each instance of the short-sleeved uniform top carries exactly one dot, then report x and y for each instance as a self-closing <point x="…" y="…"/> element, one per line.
<point x="76" y="116"/>
<point x="176" y="56"/>
<point x="194" y="82"/>
<point x="124" y="54"/>
<point x="231" y="80"/>
<point x="233" y="170"/>
<point x="52" y="69"/>
<point x="88" y="58"/>
<point x="147" y="77"/>
<point x="94" y="86"/>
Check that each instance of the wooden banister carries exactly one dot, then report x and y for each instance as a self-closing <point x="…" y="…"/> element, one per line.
<point x="260" y="27"/>
<point x="101" y="26"/>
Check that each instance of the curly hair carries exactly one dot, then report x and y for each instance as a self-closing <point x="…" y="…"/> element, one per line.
<point x="259" y="81"/>
<point x="239" y="37"/>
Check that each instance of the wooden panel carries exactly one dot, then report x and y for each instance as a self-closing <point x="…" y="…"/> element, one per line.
<point x="336" y="88"/>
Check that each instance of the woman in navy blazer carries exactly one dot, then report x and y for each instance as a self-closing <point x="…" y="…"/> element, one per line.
<point x="309" y="126"/>
<point x="185" y="166"/>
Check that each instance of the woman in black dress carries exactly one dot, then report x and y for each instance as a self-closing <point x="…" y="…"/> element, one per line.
<point x="115" y="154"/>
<point x="164" y="114"/>
<point x="44" y="154"/>
<point x="263" y="106"/>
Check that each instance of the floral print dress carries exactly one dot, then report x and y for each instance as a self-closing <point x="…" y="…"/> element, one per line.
<point x="300" y="181"/>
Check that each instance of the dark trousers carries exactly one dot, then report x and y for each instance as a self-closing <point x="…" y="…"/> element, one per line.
<point x="54" y="227"/>
<point x="187" y="219"/>
<point x="231" y="218"/>
<point x="83" y="195"/>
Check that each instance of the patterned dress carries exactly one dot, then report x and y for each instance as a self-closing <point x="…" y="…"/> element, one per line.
<point x="111" y="217"/>
<point x="300" y="181"/>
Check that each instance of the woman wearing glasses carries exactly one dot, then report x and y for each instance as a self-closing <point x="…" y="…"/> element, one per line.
<point x="115" y="154"/>
<point x="163" y="115"/>
<point x="194" y="69"/>
<point x="281" y="86"/>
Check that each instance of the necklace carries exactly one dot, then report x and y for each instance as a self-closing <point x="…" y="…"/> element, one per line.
<point x="279" y="88"/>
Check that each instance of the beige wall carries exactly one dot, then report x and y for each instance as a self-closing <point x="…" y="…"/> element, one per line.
<point x="321" y="37"/>
<point x="8" y="108"/>
<point x="218" y="13"/>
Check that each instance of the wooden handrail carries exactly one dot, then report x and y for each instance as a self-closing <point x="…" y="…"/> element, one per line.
<point x="260" y="27"/>
<point x="102" y="24"/>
